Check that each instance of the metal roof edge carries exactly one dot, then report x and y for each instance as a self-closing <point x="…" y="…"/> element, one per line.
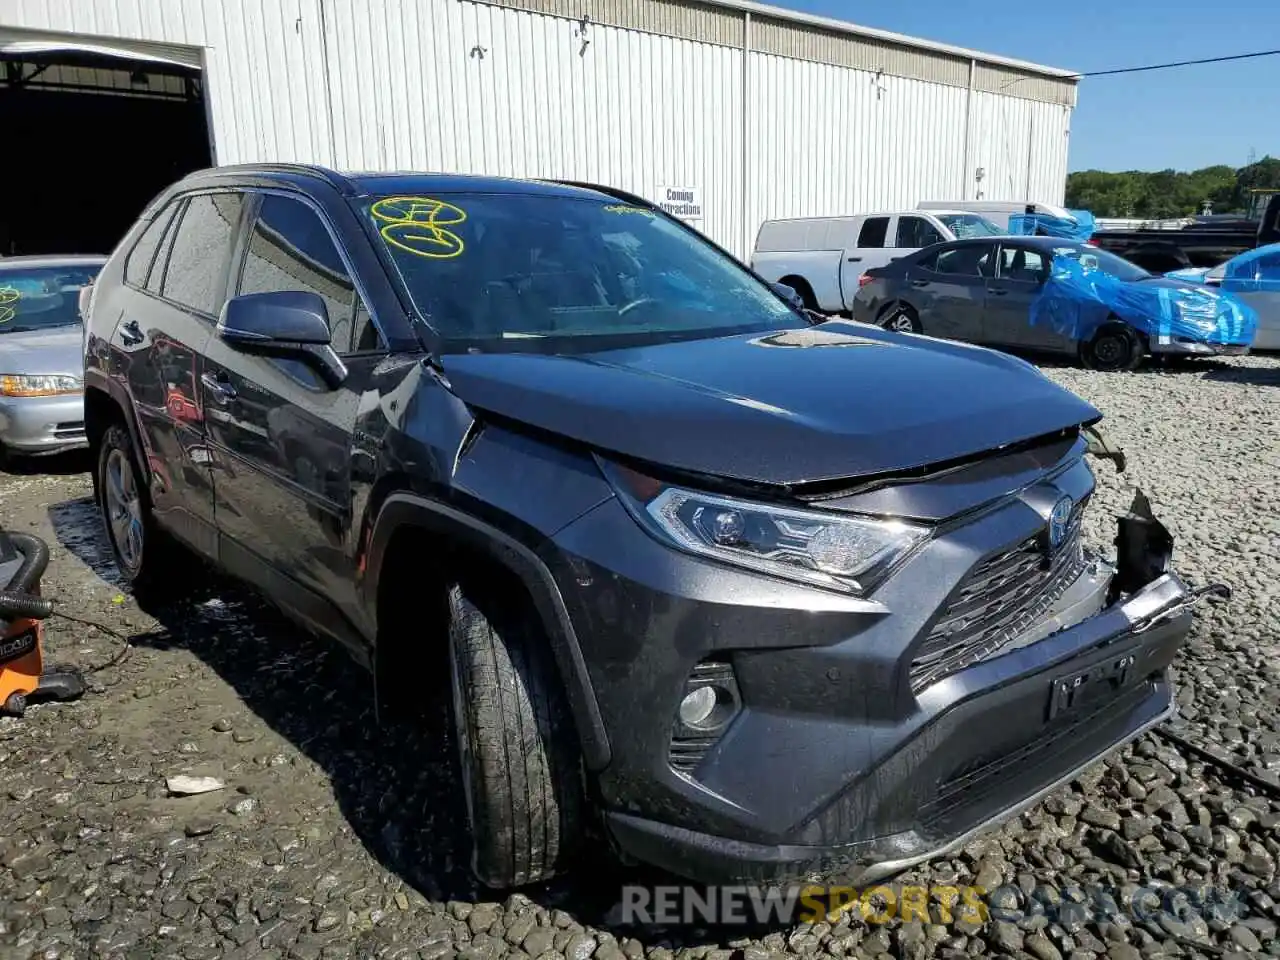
<point x="887" y="36"/>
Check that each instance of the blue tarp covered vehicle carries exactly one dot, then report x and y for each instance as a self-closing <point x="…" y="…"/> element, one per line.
<point x="1088" y="289"/>
<point x="1080" y="226"/>
<point x="1253" y="278"/>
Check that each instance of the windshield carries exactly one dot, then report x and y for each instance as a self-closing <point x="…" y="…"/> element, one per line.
<point x="40" y="298"/>
<point x="543" y="273"/>
<point x="965" y="225"/>
<point x="1092" y="258"/>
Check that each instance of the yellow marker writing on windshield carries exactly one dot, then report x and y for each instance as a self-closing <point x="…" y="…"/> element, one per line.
<point x="419" y="225"/>
<point x="8" y="297"/>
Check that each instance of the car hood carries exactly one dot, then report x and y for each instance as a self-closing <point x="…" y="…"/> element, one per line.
<point x="53" y="351"/>
<point x="835" y="401"/>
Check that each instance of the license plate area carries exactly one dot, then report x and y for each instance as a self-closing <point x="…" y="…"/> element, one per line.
<point x="1072" y="691"/>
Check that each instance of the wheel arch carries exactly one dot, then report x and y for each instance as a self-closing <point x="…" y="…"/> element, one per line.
<point x="803" y="287"/>
<point x="406" y="514"/>
<point x="106" y="402"/>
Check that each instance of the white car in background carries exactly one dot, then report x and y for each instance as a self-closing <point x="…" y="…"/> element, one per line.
<point x="1253" y="278"/>
<point x="823" y="258"/>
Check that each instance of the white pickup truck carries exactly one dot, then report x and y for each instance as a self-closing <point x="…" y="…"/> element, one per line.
<point x="822" y="258"/>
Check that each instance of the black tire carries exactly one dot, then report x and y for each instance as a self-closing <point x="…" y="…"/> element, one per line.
<point x="1115" y="347"/>
<point x="900" y="317"/>
<point x="146" y="564"/>
<point x="521" y="764"/>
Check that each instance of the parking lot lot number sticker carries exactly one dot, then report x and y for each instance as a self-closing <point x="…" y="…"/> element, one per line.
<point x="8" y="300"/>
<point x="420" y="225"/>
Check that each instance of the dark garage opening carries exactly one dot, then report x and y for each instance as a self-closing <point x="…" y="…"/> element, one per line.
<point x="90" y="139"/>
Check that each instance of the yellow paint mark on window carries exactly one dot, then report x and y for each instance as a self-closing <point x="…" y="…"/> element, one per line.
<point x="8" y="297"/>
<point x="419" y="225"/>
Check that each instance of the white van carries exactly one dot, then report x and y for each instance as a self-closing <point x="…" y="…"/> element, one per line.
<point x="998" y="211"/>
<point x="821" y="258"/>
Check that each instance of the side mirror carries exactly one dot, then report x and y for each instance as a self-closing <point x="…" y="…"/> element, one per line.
<point x="788" y="294"/>
<point x="283" y="323"/>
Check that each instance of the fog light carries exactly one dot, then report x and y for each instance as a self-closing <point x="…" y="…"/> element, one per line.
<point x="697" y="707"/>
<point x="710" y="703"/>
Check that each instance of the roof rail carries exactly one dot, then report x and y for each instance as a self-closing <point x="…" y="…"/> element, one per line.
<point x="333" y="178"/>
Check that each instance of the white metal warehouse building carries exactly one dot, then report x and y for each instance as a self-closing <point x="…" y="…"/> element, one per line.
<point x="733" y="111"/>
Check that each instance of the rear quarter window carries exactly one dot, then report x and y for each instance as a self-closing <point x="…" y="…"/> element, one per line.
<point x="137" y="265"/>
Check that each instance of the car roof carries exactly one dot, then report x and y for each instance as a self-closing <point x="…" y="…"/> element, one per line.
<point x="1034" y="243"/>
<point x="52" y="260"/>
<point x="362" y="183"/>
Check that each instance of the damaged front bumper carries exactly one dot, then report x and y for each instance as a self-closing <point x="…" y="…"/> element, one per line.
<point x="1185" y="346"/>
<point x="995" y="737"/>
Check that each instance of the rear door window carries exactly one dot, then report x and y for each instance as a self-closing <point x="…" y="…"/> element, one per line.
<point x="195" y="275"/>
<point x="873" y="234"/>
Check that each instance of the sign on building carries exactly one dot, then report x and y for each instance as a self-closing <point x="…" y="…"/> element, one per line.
<point x="682" y="202"/>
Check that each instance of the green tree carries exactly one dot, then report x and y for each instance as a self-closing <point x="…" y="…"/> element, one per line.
<point x="1170" y="193"/>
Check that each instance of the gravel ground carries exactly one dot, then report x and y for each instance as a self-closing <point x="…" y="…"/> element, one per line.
<point x="311" y="851"/>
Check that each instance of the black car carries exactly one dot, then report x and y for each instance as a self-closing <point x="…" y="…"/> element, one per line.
<point x="760" y="596"/>
<point x="986" y="291"/>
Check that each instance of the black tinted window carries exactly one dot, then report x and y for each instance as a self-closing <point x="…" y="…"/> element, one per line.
<point x="201" y="246"/>
<point x="916" y="232"/>
<point x="873" y="232"/>
<point x="143" y="253"/>
<point x="1017" y="263"/>
<point x="968" y="261"/>
<point x="290" y="249"/>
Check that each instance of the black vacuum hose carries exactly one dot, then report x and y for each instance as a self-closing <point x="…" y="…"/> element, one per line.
<point x="23" y="606"/>
<point x="16" y="599"/>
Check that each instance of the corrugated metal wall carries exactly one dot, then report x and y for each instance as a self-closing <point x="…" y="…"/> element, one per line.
<point x="502" y="88"/>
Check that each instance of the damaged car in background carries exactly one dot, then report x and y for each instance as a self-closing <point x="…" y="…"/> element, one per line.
<point x="1054" y="295"/>
<point x="764" y="597"/>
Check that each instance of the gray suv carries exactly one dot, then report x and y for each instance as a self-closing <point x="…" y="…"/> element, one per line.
<point x="747" y="595"/>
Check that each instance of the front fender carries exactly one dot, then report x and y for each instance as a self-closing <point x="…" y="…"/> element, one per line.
<point x="407" y="509"/>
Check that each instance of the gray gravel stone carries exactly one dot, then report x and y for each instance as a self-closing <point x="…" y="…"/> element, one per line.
<point x="343" y="843"/>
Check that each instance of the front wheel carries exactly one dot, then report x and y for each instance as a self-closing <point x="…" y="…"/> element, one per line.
<point x="1114" y="347"/>
<point x="521" y="766"/>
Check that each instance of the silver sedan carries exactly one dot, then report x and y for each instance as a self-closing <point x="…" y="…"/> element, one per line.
<point x="41" y="363"/>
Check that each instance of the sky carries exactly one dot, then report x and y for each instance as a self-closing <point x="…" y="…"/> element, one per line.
<point x="1185" y="118"/>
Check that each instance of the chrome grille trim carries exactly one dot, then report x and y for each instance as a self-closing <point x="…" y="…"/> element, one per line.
<point x="1000" y="598"/>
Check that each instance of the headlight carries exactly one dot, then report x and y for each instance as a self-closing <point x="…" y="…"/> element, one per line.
<point x="26" y="385"/>
<point x="837" y="551"/>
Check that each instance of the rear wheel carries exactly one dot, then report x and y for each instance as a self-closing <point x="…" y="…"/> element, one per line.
<point x="1114" y="347"/>
<point x="901" y="318"/>
<point x="521" y="766"/>
<point x="803" y="291"/>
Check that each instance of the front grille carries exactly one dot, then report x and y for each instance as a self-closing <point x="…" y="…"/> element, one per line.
<point x="68" y="429"/>
<point x="999" y="599"/>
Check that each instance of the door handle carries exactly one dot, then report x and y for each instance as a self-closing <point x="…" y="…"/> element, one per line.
<point x="131" y="333"/>
<point x="1000" y="293"/>
<point x="919" y="283"/>
<point x="221" y="391"/>
<point x="855" y="259"/>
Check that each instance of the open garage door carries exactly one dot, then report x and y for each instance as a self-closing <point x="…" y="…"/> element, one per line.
<point x="92" y="132"/>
